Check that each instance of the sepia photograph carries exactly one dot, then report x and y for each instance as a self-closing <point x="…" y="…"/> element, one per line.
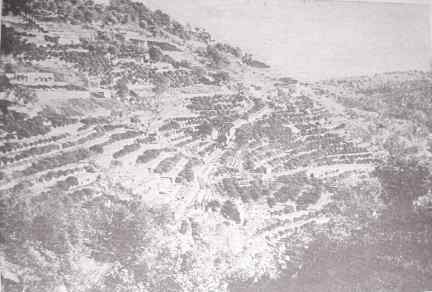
<point x="216" y="146"/>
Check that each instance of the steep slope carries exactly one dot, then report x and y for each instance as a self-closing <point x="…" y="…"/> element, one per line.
<point x="141" y="155"/>
<point x="390" y="112"/>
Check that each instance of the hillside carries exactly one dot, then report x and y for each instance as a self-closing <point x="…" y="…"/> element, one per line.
<point x="139" y="154"/>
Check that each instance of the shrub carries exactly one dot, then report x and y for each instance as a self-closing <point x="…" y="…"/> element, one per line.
<point x="216" y="57"/>
<point x="161" y="83"/>
<point x="126" y="150"/>
<point x="230" y="211"/>
<point x="4" y="83"/>
<point x="161" y="18"/>
<point x="11" y="43"/>
<point x="148" y="155"/>
<point x="221" y="77"/>
<point x="155" y="54"/>
<point x="164" y="46"/>
<point x="26" y="95"/>
<point x="16" y="6"/>
<point x="403" y="182"/>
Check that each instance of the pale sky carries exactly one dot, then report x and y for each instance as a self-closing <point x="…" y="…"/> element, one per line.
<point x="316" y="39"/>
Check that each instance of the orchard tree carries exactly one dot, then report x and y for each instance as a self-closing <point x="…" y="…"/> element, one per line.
<point x="161" y="18"/>
<point x="11" y="43"/>
<point x="162" y="84"/>
<point x="155" y="54"/>
<point x="16" y="7"/>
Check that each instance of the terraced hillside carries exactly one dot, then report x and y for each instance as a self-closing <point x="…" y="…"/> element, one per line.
<point x="138" y="154"/>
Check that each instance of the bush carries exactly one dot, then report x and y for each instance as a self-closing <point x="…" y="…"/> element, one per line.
<point x="164" y="46"/>
<point x="155" y="54"/>
<point x="11" y="43"/>
<point x="167" y="164"/>
<point x="403" y="182"/>
<point x="216" y="57"/>
<point x="205" y="129"/>
<point x="236" y="52"/>
<point x="16" y="7"/>
<point x="126" y="150"/>
<point x="161" y="83"/>
<point x="230" y="211"/>
<point x="148" y="155"/>
<point x="26" y="95"/>
<point x="221" y="77"/>
<point x="4" y="83"/>
<point x="161" y="18"/>
<point x="121" y="87"/>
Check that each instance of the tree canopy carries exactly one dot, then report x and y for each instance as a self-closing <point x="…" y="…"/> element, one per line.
<point x="16" y="7"/>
